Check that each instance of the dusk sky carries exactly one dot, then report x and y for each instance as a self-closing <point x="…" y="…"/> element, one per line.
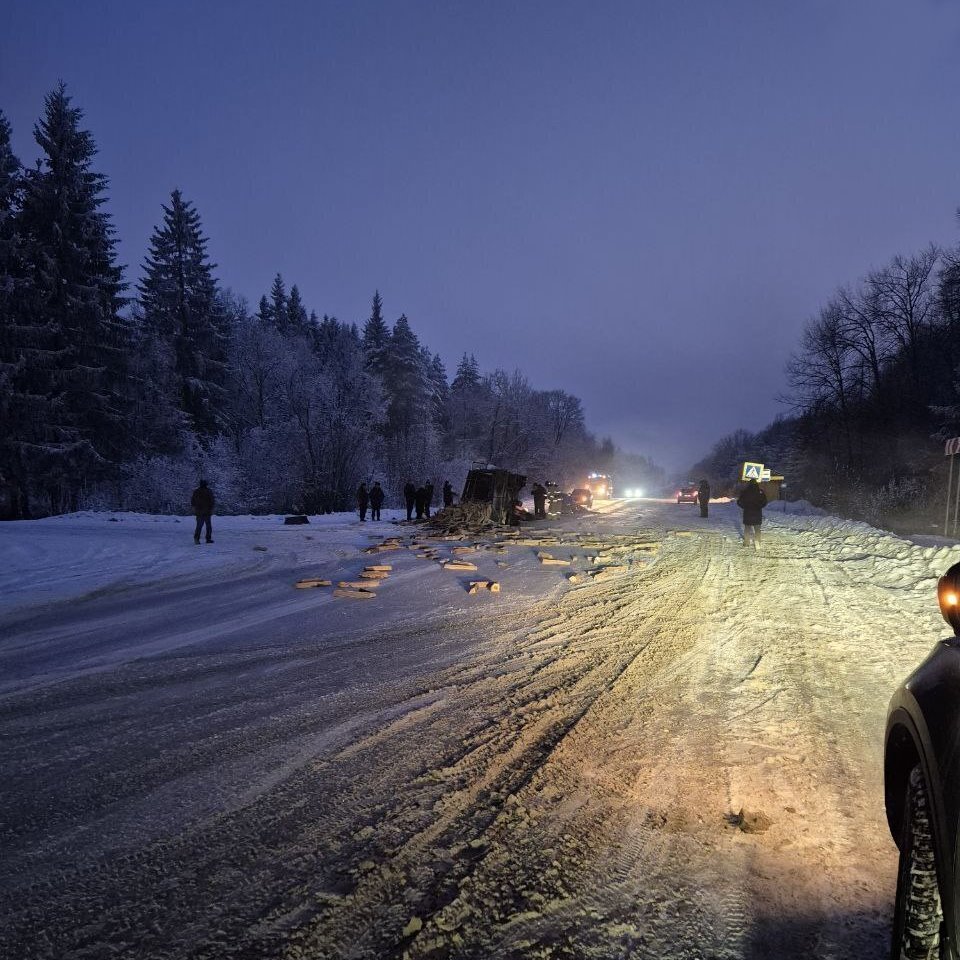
<point x="638" y="203"/>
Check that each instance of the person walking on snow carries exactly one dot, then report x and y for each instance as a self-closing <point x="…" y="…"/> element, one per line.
<point x="362" y="499"/>
<point x="703" y="497"/>
<point x="202" y="503"/>
<point x="376" y="500"/>
<point x="752" y="501"/>
<point x="428" y="498"/>
<point x="410" y="498"/>
<point x="447" y="494"/>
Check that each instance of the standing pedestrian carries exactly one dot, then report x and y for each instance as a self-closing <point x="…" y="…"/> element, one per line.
<point x="376" y="500"/>
<point x="202" y="503"/>
<point x="362" y="499"/>
<point x="410" y="497"/>
<point x="703" y="496"/>
<point x="420" y="501"/>
<point x="752" y="501"/>
<point x="428" y="498"/>
<point x="539" y="492"/>
<point x="447" y="494"/>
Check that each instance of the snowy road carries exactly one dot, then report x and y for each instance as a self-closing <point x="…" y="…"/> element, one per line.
<point x="680" y="758"/>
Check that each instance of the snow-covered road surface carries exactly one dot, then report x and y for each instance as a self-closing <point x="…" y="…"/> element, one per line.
<point x="681" y="758"/>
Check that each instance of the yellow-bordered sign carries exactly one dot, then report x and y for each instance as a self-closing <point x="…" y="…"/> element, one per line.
<point x="751" y="471"/>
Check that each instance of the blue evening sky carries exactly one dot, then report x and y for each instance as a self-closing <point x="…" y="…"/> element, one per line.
<point x="638" y="202"/>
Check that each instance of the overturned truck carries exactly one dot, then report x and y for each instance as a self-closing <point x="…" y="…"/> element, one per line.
<point x="498" y="488"/>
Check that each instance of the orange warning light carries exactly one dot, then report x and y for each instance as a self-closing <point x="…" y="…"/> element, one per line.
<point x="948" y="596"/>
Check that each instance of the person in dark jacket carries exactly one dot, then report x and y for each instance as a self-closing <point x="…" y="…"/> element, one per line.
<point x="202" y="503"/>
<point x="447" y="494"/>
<point x="410" y="498"/>
<point x="703" y="497"/>
<point x="362" y="499"/>
<point x="539" y="492"/>
<point x="752" y="501"/>
<point x="376" y="500"/>
<point x="420" y="502"/>
<point x="428" y="501"/>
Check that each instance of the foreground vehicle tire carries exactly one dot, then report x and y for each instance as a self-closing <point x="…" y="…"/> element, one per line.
<point x="916" y="921"/>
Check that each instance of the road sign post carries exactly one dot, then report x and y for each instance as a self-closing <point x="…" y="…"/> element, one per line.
<point x="951" y="450"/>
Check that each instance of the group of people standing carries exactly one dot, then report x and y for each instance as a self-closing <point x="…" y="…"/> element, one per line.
<point x="372" y="498"/>
<point x="419" y="499"/>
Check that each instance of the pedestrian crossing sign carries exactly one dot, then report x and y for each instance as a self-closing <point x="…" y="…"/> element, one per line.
<point x="752" y="471"/>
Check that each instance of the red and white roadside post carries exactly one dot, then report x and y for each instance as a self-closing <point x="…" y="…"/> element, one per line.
<point x="952" y="449"/>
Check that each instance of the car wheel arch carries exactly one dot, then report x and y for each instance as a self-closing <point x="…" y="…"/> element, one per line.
<point x="908" y="745"/>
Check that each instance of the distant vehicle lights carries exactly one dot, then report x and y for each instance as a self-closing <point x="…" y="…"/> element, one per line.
<point x="633" y="493"/>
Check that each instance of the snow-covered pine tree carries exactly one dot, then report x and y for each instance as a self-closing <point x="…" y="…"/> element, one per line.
<point x="376" y="337"/>
<point x="64" y="329"/>
<point x="468" y="407"/>
<point x="278" y="304"/>
<point x="406" y="382"/>
<point x="182" y="308"/>
<point x="297" y="321"/>
<point x="264" y="311"/>
<point x="439" y="388"/>
<point x="468" y="373"/>
<point x="10" y="276"/>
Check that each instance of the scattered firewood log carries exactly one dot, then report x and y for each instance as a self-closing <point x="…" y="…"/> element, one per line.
<point x="308" y="583"/>
<point x="354" y="594"/>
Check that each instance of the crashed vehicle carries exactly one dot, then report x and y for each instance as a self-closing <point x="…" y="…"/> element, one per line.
<point x="922" y="793"/>
<point x="499" y="488"/>
<point x="582" y="497"/>
<point x="558" y="502"/>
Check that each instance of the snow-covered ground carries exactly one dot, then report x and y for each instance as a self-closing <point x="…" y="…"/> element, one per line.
<point x="679" y="756"/>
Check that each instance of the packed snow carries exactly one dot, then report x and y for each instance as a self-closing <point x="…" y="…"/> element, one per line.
<point x="652" y="742"/>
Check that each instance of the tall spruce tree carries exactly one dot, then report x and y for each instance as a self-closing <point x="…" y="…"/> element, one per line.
<point x="406" y="382"/>
<point x="278" y="305"/>
<point x="64" y="328"/>
<point x="182" y="308"/>
<point x="376" y="337"/>
<point x="10" y="195"/>
<point x="297" y="321"/>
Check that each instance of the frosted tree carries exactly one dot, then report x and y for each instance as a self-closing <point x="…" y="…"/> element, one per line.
<point x="297" y="320"/>
<point x="182" y="309"/>
<point x="65" y="329"/>
<point x="439" y="388"/>
<point x="278" y="304"/>
<point x="12" y="501"/>
<point x="376" y="337"/>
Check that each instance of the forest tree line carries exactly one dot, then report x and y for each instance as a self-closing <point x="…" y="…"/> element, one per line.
<point x="873" y="390"/>
<point x="122" y="395"/>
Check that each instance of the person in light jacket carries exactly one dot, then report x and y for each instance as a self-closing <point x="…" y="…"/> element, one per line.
<point x="752" y="501"/>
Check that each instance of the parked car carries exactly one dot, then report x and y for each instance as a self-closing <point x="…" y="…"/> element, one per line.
<point x="687" y="493"/>
<point x="922" y="793"/>
<point x="582" y="497"/>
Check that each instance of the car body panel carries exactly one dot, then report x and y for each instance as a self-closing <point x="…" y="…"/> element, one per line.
<point x="923" y="724"/>
<point x="582" y="496"/>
